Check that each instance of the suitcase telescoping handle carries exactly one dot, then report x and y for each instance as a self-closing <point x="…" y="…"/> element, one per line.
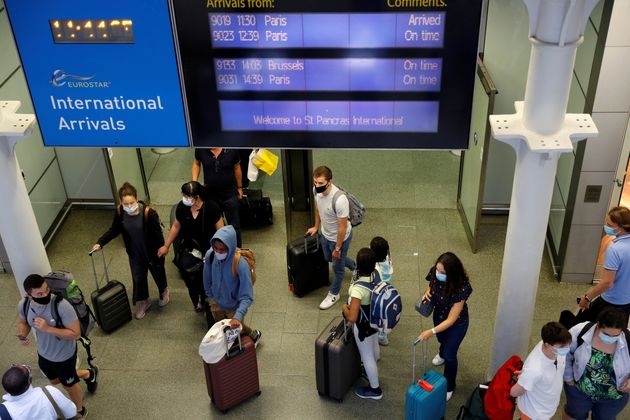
<point x="227" y="346"/>
<point x="425" y="351"/>
<point x="94" y="266"/>
<point x="306" y="242"/>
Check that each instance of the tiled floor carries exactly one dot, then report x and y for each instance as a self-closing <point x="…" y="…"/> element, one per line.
<point x="151" y="368"/>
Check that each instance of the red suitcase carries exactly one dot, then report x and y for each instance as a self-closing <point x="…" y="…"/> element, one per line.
<point x="234" y="378"/>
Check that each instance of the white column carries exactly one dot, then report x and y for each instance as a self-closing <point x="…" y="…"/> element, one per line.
<point x="539" y="132"/>
<point x="18" y="227"/>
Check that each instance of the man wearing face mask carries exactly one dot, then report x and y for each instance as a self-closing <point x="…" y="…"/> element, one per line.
<point x="539" y="385"/>
<point x="56" y="347"/>
<point x="614" y="286"/>
<point x="142" y="233"/>
<point x="336" y="230"/>
<point x="229" y="295"/>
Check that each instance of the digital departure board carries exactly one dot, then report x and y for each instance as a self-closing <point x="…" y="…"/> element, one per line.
<point x="329" y="73"/>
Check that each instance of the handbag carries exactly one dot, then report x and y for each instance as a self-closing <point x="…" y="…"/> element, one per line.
<point x="252" y="170"/>
<point x="189" y="258"/>
<point x="266" y="161"/>
<point x="424" y="307"/>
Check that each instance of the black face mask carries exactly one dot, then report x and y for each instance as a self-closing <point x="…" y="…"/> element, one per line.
<point x="42" y="300"/>
<point x="321" y="189"/>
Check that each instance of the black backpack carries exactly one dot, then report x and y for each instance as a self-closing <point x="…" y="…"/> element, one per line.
<point x="63" y="285"/>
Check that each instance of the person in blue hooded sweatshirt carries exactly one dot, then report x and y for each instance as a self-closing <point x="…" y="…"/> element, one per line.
<point x="229" y="295"/>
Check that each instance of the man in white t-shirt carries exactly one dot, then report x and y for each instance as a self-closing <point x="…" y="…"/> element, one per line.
<point x="539" y="385"/>
<point x="331" y="215"/>
<point x="23" y="402"/>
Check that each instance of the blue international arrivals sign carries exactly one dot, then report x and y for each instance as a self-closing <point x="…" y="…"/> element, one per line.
<point x="101" y="74"/>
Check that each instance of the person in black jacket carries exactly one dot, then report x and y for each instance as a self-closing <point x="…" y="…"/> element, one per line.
<point x="142" y="233"/>
<point x="196" y="221"/>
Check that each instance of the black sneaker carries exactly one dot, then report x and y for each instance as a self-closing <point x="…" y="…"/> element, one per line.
<point x="81" y="415"/>
<point x="256" y="335"/>
<point x="92" y="381"/>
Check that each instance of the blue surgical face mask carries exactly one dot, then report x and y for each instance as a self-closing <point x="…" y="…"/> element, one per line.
<point x="131" y="209"/>
<point x="562" y="351"/>
<point x="606" y="339"/>
<point x="609" y="230"/>
<point x="440" y="276"/>
<point x="187" y="201"/>
<point x="220" y="257"/>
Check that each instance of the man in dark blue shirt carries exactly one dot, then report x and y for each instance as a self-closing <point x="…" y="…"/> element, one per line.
<point x="223" y="179"/>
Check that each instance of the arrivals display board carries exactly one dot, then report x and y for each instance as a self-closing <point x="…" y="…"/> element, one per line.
<point x="329" y="73"/>
<point x="101" y="73"/>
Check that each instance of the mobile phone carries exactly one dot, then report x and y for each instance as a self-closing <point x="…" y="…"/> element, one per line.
<point x="578" y="300"/>
<point x="21" y="337"/>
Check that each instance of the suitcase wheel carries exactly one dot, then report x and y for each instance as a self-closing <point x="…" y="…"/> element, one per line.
<point x="258" y="393"/>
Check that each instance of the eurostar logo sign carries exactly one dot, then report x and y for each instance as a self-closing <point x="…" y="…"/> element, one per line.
<point x="60" y="78"/>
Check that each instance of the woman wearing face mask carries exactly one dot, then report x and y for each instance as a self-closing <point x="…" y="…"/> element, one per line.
<point x="614" y="286"/>
<point x="196" y="221"/>
<point x="597" y="368"/>
<point x="448" y="290"/>
<point x="142" y="233"/>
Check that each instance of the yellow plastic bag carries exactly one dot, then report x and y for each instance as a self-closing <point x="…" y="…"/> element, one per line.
<point x="266" y="161"/>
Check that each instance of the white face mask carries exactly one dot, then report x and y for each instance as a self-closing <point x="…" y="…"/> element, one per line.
<point x="131" y="209"/>
<point x="220" y="257"/>
<point x="187" y="201"/>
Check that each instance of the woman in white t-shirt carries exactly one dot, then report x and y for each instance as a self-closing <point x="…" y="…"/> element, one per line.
<point x="357" y="312"/>
<point x="540" y="383"/>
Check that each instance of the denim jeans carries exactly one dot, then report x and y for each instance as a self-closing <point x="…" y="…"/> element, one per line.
<point x="338" y="265"/>
<point x="579" y="404"/>
<point x="450" y="341"/>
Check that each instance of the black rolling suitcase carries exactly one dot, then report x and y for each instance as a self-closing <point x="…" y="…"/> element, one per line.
<point x="337" y="360"/>
<point x="306" y="266"/>
<point x="110" y="302"/>
<point x="254" y="209"/>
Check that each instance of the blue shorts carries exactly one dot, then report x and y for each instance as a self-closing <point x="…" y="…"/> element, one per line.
<point x="579" y="404"/>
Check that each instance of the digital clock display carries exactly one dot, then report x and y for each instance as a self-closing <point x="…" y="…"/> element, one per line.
<point x="92" y="31"/>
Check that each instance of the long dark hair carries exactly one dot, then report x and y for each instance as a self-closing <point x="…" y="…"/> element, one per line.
<point x="456" y="276"/>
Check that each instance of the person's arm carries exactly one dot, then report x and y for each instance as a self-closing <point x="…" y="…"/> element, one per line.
<point x="67" y="407"/>
<point x="342" y="224"/>
<point x="172" y="234"/>
<point x="196" y="168"/>
<point x="238" y="175"/>
<point x="605" y="283"/>
<point x="313" y="230"/>
<point x="156" y="228"/>
<point x="245" y="292"/>
<point x="453" y="314"/>
<point x="23" y="330"/>
<point x="207" y="275"/>
<point x="351" y="312"/>
<point x="517" y="390"/>
<point x="114" y="230"/>
<point x="72" y="331"/>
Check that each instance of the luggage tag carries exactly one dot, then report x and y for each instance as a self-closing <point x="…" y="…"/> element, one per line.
<point x="425" y="385"/>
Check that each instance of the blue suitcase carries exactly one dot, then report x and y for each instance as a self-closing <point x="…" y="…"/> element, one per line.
<point x="421" y="404"/>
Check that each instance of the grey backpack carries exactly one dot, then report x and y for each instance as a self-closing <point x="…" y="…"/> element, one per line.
<point x="357" y="209"/>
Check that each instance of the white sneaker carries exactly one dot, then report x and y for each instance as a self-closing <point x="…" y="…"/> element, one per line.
<point x="449" y="394"/>
<point x="329" y="301"/>
<point x="437" y="360"/>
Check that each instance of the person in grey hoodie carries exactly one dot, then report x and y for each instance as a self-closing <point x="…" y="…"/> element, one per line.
<point x="229" y="296"/>
<point x="385" y="269"/>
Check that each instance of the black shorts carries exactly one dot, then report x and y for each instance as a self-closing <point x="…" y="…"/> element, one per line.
<point x="65" y="371"/>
